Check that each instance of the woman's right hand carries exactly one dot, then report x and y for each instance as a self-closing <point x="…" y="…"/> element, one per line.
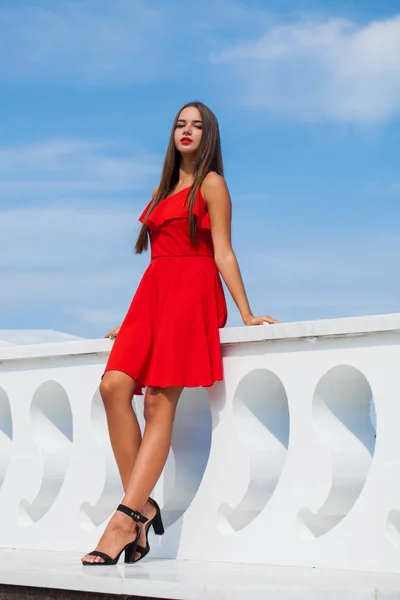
<point x="113" y="333"/>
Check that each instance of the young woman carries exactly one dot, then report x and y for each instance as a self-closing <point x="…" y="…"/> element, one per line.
<point x="169" y="338"/>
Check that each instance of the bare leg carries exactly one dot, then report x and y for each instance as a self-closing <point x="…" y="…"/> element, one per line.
<point x="159" y="411"/>
<point x="117" y="390"/>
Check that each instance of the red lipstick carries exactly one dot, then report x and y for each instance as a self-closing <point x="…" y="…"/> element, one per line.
<point x="186" y="141"/>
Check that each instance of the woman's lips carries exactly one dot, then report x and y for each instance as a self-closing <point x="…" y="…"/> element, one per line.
<point x="186" y="141"/>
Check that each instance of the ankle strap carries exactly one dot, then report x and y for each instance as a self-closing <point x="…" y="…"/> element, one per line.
<point x="134" y="514"/>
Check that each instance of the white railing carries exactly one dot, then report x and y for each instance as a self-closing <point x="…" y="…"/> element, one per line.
<point x="293" y="460"/>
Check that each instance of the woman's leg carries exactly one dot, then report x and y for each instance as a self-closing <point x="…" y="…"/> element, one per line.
<point x="159" y="412"/>
<point x="117" y="390"/>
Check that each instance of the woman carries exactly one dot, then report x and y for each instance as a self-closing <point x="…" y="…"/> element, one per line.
<point x="169" y="338"/>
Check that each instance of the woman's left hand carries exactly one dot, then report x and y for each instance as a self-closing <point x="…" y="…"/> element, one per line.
<point x="260" y="320"/>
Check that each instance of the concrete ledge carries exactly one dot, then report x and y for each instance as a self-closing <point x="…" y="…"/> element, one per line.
<point x="349" y="326"/>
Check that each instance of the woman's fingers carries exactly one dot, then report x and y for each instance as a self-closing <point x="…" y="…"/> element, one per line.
<point x="262" y="320"/>
<point x="269" y="320"/>
<point x="113" y="333"/>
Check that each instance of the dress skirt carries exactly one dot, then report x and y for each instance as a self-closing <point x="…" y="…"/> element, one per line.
<point x="170" y="334"/>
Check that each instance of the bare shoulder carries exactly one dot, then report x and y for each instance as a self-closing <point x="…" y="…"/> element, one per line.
<point x="214" y="189"/>
<point x="213" y="183"/>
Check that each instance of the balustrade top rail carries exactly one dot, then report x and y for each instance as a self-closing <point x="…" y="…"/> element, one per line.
<point x="349" y="326"/>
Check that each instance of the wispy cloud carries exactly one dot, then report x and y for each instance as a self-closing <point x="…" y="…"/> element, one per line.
<point x="379" y="188"/>
<point x="68" y="268"/>
<point x="326" y="277"/>
<point x="98" y="317"/>
<point x="309" y="69"/>
<point x="123" y="41"/>
<point x="73" y="269"/>
<point x="313" y="70"/>
<point x="65" y="166"/>
<point x="92" y="42"/>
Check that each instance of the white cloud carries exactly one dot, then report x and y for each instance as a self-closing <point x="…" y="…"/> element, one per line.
<point x="310" y="69"/>
<point x="117" y="41"/>
<point x="101" y="317"/>
<point x="313" y="70"/>
<point x="94" y="41"/>
<point x="377" y="188"/>
<point x="73" y="166"/>
<point x="47" y="237"/>
<point x="69" y="264"/>
<point x="68" y="268"/>
<point x="73" y="269"/>
<point x="325" y="277"/>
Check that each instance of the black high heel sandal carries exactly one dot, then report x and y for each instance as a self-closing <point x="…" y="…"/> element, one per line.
<point x="130" y="549"/>
<point x="158" y="528"/>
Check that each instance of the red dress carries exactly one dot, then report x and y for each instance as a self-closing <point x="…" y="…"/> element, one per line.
<point x="170" y="335"/>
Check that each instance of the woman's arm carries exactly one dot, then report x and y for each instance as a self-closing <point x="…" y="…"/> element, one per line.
<point x="219" y="206"/>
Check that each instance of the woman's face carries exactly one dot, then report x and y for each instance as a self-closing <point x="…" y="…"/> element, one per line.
<point x="188" y="131"/>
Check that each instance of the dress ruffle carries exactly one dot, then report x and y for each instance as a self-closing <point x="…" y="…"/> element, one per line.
<point x="176" y="207"/>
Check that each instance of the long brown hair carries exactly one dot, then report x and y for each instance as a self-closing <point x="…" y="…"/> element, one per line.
<point x="208" y="158"/>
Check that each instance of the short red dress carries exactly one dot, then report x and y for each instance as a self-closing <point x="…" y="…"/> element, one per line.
<point x="170" y="335"/>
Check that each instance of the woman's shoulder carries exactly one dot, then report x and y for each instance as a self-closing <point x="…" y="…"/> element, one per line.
<point x="213" y="181"/>
<point x="214" y="187"/>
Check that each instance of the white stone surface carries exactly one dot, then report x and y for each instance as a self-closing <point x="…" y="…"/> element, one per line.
<point x="190" y="580"/>
<point x="280" y="464"/>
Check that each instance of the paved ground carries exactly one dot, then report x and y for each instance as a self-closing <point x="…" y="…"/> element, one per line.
<point x="182" y="580"/>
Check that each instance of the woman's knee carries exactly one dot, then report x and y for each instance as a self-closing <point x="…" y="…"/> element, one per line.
<point x="107" y="391"/>
<point x="151" y="406"/>
<point x="116" y="389"/>
<point x="160" y="403"/>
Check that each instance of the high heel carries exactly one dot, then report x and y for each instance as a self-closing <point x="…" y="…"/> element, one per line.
<point x="158" y="528"/>
<point x="156" y="522"/>
<point x="130" y="549"/>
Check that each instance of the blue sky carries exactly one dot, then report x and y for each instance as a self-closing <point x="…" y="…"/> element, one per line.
<point x="307" y="93"/>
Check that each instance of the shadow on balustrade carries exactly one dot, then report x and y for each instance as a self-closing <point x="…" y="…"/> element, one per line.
<point x="52" y="432"/>
<point x="393" y="527"/>
<point x="342" y="410"/>
<point x="6" y="434"/>
<point x="186" y="463"/>
<point x="93" y="515"/>
<point x="190" y="450"/>
<point x="261" y="415"/>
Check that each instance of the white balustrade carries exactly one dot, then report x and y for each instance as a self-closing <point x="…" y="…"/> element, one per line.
<point x="293" y="460"/>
